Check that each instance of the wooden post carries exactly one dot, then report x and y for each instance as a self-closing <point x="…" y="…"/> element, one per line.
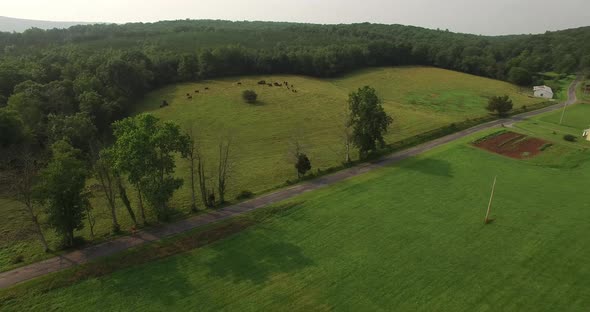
<point x="490" y="203"/>
<point x="563" y="113"/>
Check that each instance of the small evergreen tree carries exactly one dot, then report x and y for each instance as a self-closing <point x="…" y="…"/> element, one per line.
<point x="303" y="165"/>
<point x="500" y="105"/>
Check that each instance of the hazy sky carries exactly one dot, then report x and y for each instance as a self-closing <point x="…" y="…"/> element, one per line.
<point x="472" y="16"/>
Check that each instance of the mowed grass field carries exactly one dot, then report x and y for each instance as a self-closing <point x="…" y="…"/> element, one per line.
<point x="405" y="237"/>
<point x="418" y="98"/>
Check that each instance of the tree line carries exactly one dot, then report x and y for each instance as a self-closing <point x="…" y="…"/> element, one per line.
<point x="143" y="157"/>
<point x="97" y="72"/>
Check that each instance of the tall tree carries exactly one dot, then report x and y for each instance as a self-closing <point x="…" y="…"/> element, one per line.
<point x="223" y="169"/>
<point x="125" y="198"/>
<point x="520" y="76"/>
<point x="368" y="120"/>
<point x="78" y="129"/>
<point x="61" y="191"/>
<point x="192" y="156"/>
<point x="12" y="128"/>
<point x="24" y="176"/>
<point x="145" y="150"/>
<point x="102" y="164"/>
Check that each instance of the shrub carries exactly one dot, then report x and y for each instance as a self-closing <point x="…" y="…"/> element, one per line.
<point x="570" y="138"/>
<point x="500" y="104"/>
<point x="303" y="165"/>
<point x="17" y="259"/>
<point x="249" y="96"/>
<point x="244" y="195"/>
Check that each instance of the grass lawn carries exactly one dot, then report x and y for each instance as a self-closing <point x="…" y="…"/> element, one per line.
<point x="406" y="237"/>
<point x="419" y="99"/>
<point x="575" y="120"/>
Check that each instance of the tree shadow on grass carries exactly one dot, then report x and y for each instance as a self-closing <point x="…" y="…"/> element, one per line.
<point x="431" y="166"/>
<point x="257" y="262"/>
<point x="163" y="282"/>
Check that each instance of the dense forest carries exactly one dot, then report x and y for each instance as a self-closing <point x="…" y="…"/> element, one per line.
<point x="54" y="81"/>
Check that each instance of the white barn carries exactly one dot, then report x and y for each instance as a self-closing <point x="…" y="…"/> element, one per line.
<point x="543" y="92"/>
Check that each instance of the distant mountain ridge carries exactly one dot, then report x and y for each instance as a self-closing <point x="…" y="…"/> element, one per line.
<point x="10" y="24"/>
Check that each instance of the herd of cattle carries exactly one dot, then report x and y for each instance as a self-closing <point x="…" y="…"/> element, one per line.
<point x="261" y="82"/>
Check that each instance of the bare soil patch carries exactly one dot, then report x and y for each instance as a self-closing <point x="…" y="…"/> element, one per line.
<point x="514" y="145"/>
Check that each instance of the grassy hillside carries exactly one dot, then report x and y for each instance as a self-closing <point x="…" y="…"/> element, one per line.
<point x="419" y="99"/>
<point x="409" y="236"/>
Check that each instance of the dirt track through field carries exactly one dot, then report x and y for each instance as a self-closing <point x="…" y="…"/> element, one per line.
<point x="58" y="263"/>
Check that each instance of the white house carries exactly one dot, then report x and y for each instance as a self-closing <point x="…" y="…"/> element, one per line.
<point x="543" y="92"/>
<point x="586" y="134"/>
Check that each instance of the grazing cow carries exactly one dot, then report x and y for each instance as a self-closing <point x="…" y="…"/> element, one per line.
<point x="206" y="88"/>
<point x="262" y="82"/>
<point x="188" y="94"/>
<point x="239" y="83"/>
<point x="196" y="91"/>
<point x="190" y="97"/>
<point x="270" y="84"/>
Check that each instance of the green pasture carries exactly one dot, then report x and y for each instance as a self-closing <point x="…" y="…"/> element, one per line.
<point x="419" y="99"/>
<point x="405" y="237"/>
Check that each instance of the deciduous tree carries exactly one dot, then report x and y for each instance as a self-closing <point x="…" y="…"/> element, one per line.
<point x="24" y="175"/>
<point x="144" y="149"/>
<point x="61" y="191"/>
<point x="368" y="120"/>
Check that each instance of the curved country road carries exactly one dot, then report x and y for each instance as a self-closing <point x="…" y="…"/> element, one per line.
<point x="10" y="278"/>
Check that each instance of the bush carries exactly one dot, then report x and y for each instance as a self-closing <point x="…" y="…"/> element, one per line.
<point x="570" y="138"/>
<point x="249" y="96"/>
<point x="17" y="259"/>
<point x="303" y="165"/>
<point x="244" y="195"/>
<point x="500" y="104"/>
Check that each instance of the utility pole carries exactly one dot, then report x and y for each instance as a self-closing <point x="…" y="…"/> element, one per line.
<point x="487" y="220"/>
